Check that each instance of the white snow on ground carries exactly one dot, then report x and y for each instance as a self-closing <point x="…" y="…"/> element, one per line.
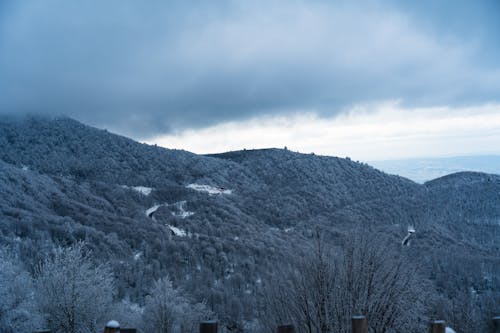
<point x="450" y="330"/>
<point x="177" y="231"/>
<point x="24" y="168"/>
<point x="211" y="190"/>
<point x="152" y="210"/>
<point x="406" y="240"/>
<point x="137" y="255"/>
<point x="113" y="324"/>
<point x="177" y="209"/>
<point x="141" y="189"/>
<point x="181" y="210"/>
<point x="184" y="214"/>
<point x="288" y="229"/>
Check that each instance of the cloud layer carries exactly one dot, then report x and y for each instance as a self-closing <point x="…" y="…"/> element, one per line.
<point x="145" y="68"/>
<point x="367" y="133"/>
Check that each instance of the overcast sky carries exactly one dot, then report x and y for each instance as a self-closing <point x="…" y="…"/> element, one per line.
<point x="371" y="80"/>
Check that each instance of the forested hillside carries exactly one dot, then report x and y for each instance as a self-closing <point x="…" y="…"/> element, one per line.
<point x="224" y="227"/>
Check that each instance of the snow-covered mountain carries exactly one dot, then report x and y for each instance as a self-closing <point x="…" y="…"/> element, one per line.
<point x="225" y="221"/>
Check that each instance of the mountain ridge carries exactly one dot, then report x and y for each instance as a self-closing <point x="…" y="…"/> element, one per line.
<point x="62" y="182"/>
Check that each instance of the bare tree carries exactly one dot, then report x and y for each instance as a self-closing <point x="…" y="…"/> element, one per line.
<point x="324" y="290"/>
<point x="379" y="283"/>
<point x="74" y="293"/>
<point x="303" y="294"/>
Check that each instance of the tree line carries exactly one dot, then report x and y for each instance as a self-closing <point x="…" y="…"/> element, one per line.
<point x="69" y="292"/>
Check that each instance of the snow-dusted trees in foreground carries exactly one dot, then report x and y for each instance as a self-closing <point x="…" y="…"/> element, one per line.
<point x="74" y="294"/>
<point x="167" y="310"/>
<point x="71" y="293"/>
<point x="18" y="311"/>
<point x="320" y="293"/>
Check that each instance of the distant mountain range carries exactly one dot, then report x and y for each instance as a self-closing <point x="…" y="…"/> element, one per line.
<point x="223" y="222"/>
<point x="425" y="169"/>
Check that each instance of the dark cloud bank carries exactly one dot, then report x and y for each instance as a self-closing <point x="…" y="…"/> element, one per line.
<point x="144" y="68"/>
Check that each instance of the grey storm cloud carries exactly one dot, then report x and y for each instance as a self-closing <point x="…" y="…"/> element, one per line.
<point x="144" y="68"/>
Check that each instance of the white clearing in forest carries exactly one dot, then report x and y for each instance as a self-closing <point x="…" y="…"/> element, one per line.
<point x="141" y="189"/>
<point x="450" y="330"/>
<point x="211" y="190"/>
<point x="25" y="168"/>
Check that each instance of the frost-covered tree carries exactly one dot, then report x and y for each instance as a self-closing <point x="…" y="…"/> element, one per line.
<point x="74" y="294"/>
<point x="193" y="314"/>
<point x="163" y="307"/>
<point x="18" y="312"/>
<point x="168" y="311"/>
<point x="127" y="313"/>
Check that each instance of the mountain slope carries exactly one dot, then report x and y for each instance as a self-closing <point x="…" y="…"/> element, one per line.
<point x="224" y="221"/>
<point x="62" y="146"/>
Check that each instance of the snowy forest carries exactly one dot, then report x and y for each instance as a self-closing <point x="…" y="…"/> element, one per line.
<point x="97" y="227"/>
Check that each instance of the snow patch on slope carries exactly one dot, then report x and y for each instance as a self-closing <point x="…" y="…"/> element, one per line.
<point x="137" y="255"/>
<point x="149" y="212"/>
<point x="177" y="231"/>
<point x="181" y="210"/>
<point x="177" y="209"/>
<point x="211" y="190"/>
<point x="141" y="189"/>
<point x="406" y="240"/>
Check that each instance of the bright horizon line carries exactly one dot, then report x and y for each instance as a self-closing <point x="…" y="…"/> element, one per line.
<point x="385" y="131"/>
<point x="486" y="154"/>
